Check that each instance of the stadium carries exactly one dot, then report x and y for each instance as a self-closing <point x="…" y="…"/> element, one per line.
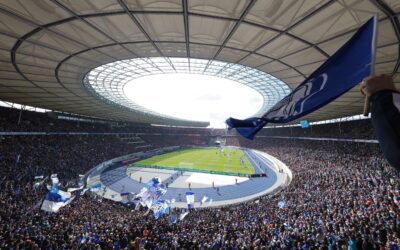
<point x="94" y="154"/>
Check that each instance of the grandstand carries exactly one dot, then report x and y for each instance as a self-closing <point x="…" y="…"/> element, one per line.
<point x="82" y="166"/>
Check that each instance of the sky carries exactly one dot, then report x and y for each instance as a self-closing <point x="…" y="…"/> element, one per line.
<point x="195" y="97"/>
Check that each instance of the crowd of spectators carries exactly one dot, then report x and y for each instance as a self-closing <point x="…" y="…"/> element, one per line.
<point x="355" y="129"/>
<point x="23" y="157"/>
<point x="29" y="121"/>
<point x="166" y="140"/>
<point x="14" y="120"/>
<point x="343" y="195"/>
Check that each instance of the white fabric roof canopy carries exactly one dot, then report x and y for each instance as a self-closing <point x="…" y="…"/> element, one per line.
<point x="47" y="47"/>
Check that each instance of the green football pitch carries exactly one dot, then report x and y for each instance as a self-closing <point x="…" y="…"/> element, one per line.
<point x="226" y="160"/>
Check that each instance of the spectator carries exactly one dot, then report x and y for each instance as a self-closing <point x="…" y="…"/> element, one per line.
<point x="385" y="115"/>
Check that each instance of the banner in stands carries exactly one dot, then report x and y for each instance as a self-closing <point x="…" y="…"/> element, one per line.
<point x="151" y="193"/>
<point x="56" y="199"/>
<point x="190" y="199"/>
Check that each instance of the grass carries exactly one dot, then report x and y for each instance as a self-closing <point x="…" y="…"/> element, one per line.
<point x="209" y="159"/>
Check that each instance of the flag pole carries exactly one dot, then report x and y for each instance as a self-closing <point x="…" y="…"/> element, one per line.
<point x="366" y="99"/>
<point x="366" y="106"/>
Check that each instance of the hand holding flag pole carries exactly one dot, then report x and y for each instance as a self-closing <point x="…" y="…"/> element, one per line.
<point x="373" y="84"/>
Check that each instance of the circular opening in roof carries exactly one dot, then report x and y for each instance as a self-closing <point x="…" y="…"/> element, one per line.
<point x="195" y="97"/>
<point x="108" y="82"/>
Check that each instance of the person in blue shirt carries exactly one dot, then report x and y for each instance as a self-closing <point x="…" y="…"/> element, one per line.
<point x="351" y="244"/>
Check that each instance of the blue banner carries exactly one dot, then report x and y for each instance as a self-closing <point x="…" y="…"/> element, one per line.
<point x="190" y="199"/>
<point x="341" y="72"/>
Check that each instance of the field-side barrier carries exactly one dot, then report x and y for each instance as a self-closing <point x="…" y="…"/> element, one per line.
<point x="191" y="170"/>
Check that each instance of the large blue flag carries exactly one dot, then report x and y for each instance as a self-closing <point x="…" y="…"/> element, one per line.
<point x="341" y="72"/>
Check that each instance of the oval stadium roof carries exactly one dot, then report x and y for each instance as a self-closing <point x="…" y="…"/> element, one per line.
<point x="108" y="81"/>
<point x="48" y="47"/>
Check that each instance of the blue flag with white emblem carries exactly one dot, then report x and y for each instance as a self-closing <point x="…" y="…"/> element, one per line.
<point x="56" y="199"/>
<point x="159" y="208"/>
<point x="190" y="199"/>
<point x="341" y="72"/>
<point x="151" y="193"/>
